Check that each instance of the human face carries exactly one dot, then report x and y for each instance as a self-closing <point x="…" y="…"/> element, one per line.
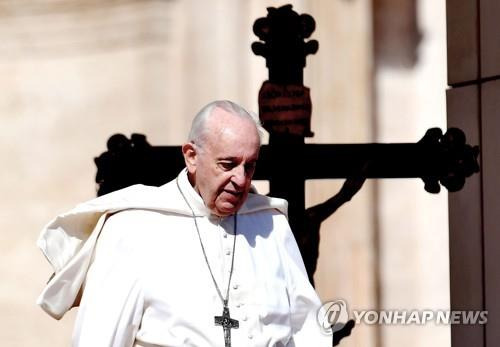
<point x="221" y="170"/>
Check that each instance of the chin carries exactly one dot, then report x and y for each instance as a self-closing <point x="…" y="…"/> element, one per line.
<point x="226" y="211"/>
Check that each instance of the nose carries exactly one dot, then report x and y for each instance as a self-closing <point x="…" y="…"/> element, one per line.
<point x="239" y="176"/>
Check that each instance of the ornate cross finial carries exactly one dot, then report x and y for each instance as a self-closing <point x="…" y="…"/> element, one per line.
<point x="283" y="32"/>
<point x="284" y="101"/>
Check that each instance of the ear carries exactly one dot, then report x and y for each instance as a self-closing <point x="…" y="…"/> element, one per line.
<point x="190" y="156"/>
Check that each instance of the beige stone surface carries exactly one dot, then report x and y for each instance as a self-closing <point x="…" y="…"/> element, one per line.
<point x="462" y="32"/>
<point x="490" y="36"/>
<point x="490" y="154"/>
<point x="412" y="224"/>
<point x="75" y="72"/>
<point x="465" y="215"/>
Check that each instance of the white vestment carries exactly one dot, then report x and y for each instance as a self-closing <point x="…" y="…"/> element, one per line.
<point x="146" y="281"/>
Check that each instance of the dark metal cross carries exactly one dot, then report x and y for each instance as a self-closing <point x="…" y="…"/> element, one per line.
<point x="287" y="162"/>
<point x="227" y="323"/>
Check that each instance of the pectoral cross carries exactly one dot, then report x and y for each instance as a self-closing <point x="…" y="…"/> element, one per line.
<point x="227" y="324"/>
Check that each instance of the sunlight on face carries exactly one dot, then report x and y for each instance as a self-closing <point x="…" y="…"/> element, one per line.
<point x="226" y="162"/>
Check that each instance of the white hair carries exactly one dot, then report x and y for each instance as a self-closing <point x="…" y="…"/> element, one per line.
<point x="198" y="132"/>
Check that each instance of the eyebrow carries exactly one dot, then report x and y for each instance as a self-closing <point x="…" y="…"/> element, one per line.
<point x="237" y="159"/>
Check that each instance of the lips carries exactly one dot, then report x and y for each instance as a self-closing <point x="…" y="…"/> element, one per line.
<point x="233" y="196"/>
<point x="233" y="193"/>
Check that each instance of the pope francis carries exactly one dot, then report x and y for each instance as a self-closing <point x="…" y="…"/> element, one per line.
<point x="201" y="261"/>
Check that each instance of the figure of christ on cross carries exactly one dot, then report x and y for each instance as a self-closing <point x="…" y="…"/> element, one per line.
<point x="227" y="323"/>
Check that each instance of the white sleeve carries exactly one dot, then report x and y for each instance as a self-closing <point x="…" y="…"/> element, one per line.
<point x="112" y="303"/>
<point x="304" y="301"/>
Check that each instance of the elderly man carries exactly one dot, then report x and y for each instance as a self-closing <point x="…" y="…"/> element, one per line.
<point x="200" y="261"/>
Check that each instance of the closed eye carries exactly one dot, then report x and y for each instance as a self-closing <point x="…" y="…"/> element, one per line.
<point x="226" y="165"/>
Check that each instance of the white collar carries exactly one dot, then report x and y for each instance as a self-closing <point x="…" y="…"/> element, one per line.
<point x="194" y="199"/>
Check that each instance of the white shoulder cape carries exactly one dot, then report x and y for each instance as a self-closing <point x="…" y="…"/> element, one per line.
<point x="68" y="241"/>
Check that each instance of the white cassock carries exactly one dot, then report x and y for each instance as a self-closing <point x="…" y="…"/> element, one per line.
<point x="146" y="281"/>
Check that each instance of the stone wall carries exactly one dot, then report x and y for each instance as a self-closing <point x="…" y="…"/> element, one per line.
<point x="75" y="72"/>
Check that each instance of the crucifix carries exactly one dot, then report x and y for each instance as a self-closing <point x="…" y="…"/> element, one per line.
<point x="287" y="162"/>
<point x="227" y="323"/>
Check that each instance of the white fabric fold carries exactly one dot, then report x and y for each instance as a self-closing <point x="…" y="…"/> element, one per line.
<point x="69" y="240"/>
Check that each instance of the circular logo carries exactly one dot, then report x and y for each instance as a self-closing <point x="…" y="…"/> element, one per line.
<point x="332" y="316"/>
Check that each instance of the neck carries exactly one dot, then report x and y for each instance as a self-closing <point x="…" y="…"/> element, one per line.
<point x="191" y="180"/>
